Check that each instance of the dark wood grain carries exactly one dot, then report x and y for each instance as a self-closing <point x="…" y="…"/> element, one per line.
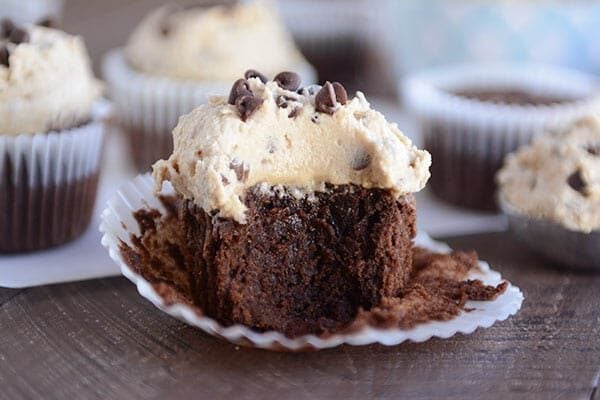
<point x="99" y="339"/>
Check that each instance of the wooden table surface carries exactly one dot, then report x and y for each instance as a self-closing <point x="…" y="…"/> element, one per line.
<point x="100" y="339"/>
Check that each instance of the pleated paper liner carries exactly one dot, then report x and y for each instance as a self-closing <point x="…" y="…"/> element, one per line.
<point x="118" y="224"/>
<point x="48" y="185"/>
<point x="148" y="107"/>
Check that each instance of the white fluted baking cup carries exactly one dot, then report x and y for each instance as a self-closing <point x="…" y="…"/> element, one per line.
<point x="150" y="106"/>
<point x="118" y="224"/>
<point x="48" y="184"/>
<point x="469" y="138"/>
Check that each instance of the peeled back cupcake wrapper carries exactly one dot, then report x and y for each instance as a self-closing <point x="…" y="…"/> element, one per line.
<point x="458" y="130"/>
<point x="47" y="185"/>
<point x="150" y="106"/>
<point x="118" y="224"/>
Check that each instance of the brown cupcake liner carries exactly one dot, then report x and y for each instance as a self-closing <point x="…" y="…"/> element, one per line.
<point x="48" y="185"/>
<point x="468" y="139"/>
<point x="148" y="107"/>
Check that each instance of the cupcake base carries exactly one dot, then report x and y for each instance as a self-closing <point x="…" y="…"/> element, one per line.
<point x="36" y="218"/>
<point x="336" y="263"/>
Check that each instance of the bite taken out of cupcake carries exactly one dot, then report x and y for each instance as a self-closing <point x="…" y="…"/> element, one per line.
<point x="178" y="56"/>
<point x="51" y="133"/>
<point x="293" y="211"/>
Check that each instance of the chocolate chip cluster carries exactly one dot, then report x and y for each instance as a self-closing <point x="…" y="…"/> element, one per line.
<point x="327" y="97"/>
<point x="12" y="33"/>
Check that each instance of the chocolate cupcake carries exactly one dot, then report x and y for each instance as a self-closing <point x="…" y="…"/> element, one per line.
<point x="551" y="192"/>
<point x="292" y="210"/>
<point x="50" y="138"/>
<point x="176" y="57"/>
<point x="471" y="117"/>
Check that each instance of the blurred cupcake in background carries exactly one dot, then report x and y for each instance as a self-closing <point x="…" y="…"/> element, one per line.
<point x="551" y="193"/>
<point x="343" y="39"/>
<point x="42" y="12"/>
<point x="51" y="135"/>
<point x="176" y="57"/>
<point x="472" y="116"/>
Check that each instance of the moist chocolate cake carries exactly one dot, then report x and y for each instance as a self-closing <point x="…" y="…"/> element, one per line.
<point x="293" y="209"/>
<point x="325" y="294"/>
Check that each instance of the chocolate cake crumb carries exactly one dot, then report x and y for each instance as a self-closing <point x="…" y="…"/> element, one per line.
<point x="301" y="266"/>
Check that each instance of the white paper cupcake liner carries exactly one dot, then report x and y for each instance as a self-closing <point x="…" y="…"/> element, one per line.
<point x="468" y="138"/>
<point x="118" y="224"/>
<point x="148" y="107"/>
<point x="48" y="184"/>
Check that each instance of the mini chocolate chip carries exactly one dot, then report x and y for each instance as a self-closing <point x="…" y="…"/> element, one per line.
<point x="361" y="161"/>
<point x="593" y="150"/>
<point x="325" y="100"/>
<point x="295" y="112"/>
<point x="224" y="180"/>
<point x="340" y="93"/>
<point x="288" y="80"/>
<point x="6" y="27"/>
<point x="19" y="35"/>
<point x="575" y="180"/>
<point x="247" y="105"/>
<point x="240" y="88"/>
<point x="281" y="102"/>
<point x="165" y="27"/>
<point x="315" y="118"/>
<point x="252" y="73"/>
<point x="241" y="170"/>
<point x="4" y="55"/>
<point x="48" y="22"/>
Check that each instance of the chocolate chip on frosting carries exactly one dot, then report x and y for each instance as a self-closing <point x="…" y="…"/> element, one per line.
<point x="6" y="27"/>
<point x="575" y="180"/>
<point x="48" y="22"/>
<point x="4" y="55"/>
<point x="18" y="36"/>
<point x="288" y="80"/>
<point x="330" y="95"/>
<point x="240" y="88"/>
<point x="252" y="73"/>
<point x="241" y="170"/>
<point x="361" y="161"/>
<point x="247" y="105"/>
<point x="593" y="150"/>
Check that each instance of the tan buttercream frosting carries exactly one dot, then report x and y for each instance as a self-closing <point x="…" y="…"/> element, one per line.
<point x="557" y="177"/>
<point x="217" y="156"/>
<point x="48" y="83"/>
<point x="212" y="43"/>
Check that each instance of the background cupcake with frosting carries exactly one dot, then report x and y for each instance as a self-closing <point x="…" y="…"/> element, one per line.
<point x="51" y="135"/>
<point x="176" y="57"/>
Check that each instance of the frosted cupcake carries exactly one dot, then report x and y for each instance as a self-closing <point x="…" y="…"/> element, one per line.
<point x="293" y="211"/>
<point x="176" y="57"/>
<point x="551" y="192"/>
<point x="472" y="116"/>
<point x="50" y="138"/>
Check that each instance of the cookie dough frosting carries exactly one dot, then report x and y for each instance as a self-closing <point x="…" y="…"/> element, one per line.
<point x="274" y="133"/>
<point x="557" y="177"/>
<point x="46" y="82"/>
<point x="217" y="43"/>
